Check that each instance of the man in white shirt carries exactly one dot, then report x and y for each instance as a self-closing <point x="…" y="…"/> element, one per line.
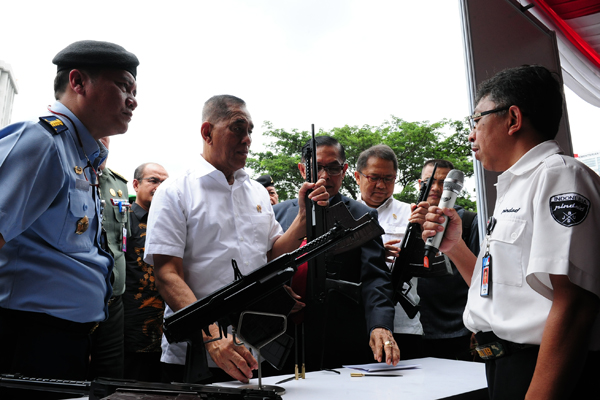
<point x="534" y="289"/>
<point x="376" y="170"/>
<point x="214" y="213"/>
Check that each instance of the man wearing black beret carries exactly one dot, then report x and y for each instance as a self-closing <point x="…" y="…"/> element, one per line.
<point x="55" y="272"/>
<point x="267" y="182"/>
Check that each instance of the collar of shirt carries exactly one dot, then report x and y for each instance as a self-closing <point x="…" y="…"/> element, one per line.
<point x="383" y="205"/>
<point x="207" y="169"/>
<point x="103" y="153"/>
<point x="533" y="157"/>
<point x="139" y="211"/>
<point x="528" y="162"/>
<point x="335" y="199"/>
<point x="90" y="145"/>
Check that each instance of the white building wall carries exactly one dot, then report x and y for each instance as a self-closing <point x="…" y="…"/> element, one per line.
<point x="592" y="160"/>
<point x="8" y="89"/>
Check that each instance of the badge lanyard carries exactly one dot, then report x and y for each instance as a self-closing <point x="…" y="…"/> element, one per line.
<point x="123" y="210"/>
<point x="486" y="262"/>
<point x="123" y="207"/>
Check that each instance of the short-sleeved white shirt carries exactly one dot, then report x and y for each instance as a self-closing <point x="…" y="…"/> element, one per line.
<point x="393" y="217"/>
<point x="207" y="222"/>
<point x="547" y="212"/>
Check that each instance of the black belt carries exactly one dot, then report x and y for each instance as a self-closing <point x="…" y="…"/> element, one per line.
<point x="491" y="346"/>
<point x="29" y="317"/>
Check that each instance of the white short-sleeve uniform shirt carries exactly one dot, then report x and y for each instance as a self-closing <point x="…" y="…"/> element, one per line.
<point x="207" y="222"/>
<point x="548" y="213"/>
<point x="393" y="217"/>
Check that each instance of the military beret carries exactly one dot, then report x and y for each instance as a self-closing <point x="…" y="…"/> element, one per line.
<point x="91" y="53"/>
<point x="265" y="180"/>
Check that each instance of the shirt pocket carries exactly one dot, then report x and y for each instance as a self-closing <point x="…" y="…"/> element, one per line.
<point x="261" y="225"/>
<point x="80" y="206"/>
<point x="393" y="231"/>
<point x="119" y="217"/>
<point x="507" y="253"/>
<point x="113" y="219"/>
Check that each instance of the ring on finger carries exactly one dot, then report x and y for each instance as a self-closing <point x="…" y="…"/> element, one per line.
<point x="387" y="343"/>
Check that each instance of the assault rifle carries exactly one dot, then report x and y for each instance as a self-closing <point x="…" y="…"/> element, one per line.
<point x="316" y="279"/>
<point x="255" y="291"/>
<point x="409" y="262"/>
<point x="101" y="388"/>
<point x="316" y="275"/>
<point x="318" y="285"/>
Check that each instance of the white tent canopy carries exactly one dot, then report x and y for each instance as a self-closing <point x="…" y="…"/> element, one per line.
<point x="577" y="27"/>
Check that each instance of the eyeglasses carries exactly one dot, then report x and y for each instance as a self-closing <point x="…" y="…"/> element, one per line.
<point x="332" y="170"/>
<point x="374" y="179"/>
<point x="153" y="181"/>
<point x="473" y="119"/>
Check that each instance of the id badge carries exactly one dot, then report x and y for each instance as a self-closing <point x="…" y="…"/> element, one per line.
<point x="486" y="277"/>
<point x="124" y="239"/>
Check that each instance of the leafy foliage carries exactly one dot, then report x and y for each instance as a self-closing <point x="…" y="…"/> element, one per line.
<point x="413" y="142"/>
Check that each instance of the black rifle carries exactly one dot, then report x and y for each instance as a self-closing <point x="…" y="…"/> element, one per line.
<point x="104" y="387"/>
<point x="318" y="285"/>
<point x="252" y="291"/>
<point x="316" y="273"/>
<point x="409" y="262"/>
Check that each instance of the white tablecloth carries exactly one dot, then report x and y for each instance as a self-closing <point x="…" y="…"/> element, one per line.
<point x="435" y="379"/>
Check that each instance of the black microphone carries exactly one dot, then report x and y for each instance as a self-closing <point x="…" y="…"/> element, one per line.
<point x="453" y="185"/>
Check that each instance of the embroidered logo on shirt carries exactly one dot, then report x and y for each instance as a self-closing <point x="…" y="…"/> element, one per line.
<point x="511" y="210"/>
<point x="569" y="209"/>
<point x="258" y="208"/>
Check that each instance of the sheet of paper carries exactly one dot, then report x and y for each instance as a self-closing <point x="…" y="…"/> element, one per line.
<point x="378" y="367"/>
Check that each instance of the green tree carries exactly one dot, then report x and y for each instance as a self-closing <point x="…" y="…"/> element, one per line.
<point x="413" y="142"/>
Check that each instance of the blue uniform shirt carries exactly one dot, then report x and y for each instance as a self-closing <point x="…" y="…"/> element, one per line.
<point x="45" y="266"/>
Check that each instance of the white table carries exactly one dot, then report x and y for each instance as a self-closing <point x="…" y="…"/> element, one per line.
<point x="436" y="379"/>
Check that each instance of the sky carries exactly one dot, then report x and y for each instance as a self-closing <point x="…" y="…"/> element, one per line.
<point x="325" y="62"/>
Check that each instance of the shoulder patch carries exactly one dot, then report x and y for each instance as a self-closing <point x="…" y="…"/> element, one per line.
<point x="119" y="176"/>
<point x="569" y="209"/>
<point x="53" y="124"/>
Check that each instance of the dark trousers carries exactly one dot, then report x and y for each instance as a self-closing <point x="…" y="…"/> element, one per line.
<point x="41" y="346"/>
<point x="509" y="376"/>
<point x="410" y="346"/>
<point x="107" y="352"/>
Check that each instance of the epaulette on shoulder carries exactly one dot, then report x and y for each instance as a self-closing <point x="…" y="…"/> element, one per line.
<point x="53" y="125"/>
<point x="555" y="160"/>
<point x="121" y="177"/>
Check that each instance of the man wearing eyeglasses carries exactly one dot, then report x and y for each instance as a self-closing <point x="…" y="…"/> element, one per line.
<point x="356" y="333"/>
<point x="443" y="298"/>
<point x="375" y="174"/>
<point x="55" y="275"/>
<point x="534" y="289"/>
<point x="144" y="307"/>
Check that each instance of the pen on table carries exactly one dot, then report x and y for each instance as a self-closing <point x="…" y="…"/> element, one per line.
<point x="356" y="375"/>
<point x="286" y="380"/>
